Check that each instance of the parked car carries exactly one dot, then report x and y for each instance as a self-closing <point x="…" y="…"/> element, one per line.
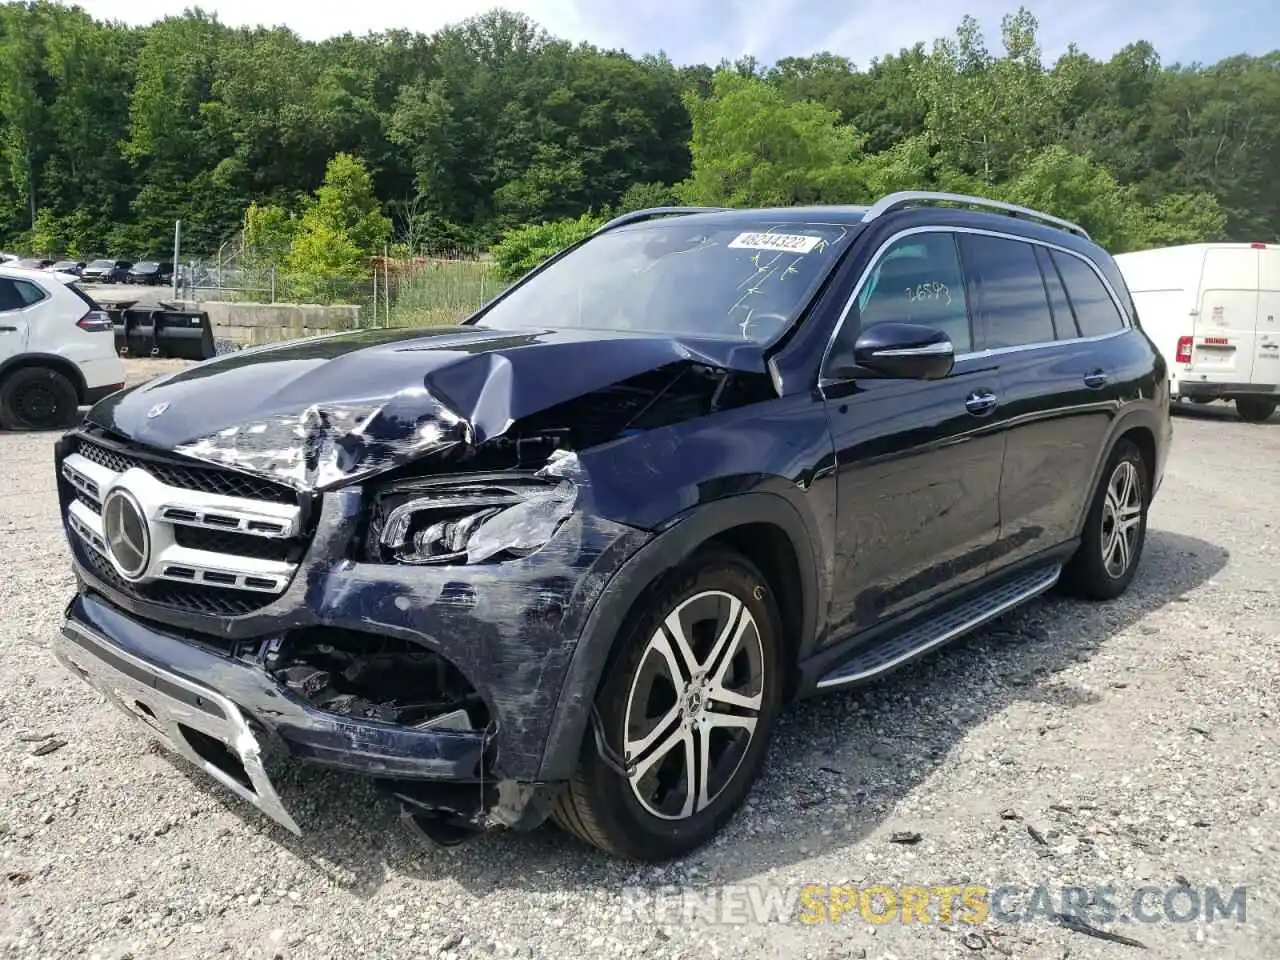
<point x="572" y="557"/>
<point x="73" y="267"/>
<point x="57" y="351"/>
<point x="34" y="264"/>
<point x="150" y="272"/>
<point x="8" y="258"/>
<point x="1213" y="309"/>
<point x="106" y="271"/>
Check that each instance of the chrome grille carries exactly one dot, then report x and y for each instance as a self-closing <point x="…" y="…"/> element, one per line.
<point x="219" y="543"/>
<point x="226" y="483"/>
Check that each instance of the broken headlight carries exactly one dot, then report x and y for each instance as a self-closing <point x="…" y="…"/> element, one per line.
<point x="473" y="520"/>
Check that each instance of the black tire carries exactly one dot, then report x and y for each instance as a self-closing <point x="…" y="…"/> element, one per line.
<point x="38" y="398"/>
<point x="599" y="804"/>
<point x="1255" y="409"/>
<point x="1088" y="574"/>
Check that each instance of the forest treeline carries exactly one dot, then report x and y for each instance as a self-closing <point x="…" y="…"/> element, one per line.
<point x="109" y="133"/>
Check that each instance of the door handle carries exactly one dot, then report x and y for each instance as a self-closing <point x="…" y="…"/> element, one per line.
<point x="1095" y="379"/>
<point x="8" y="329"/>
<point x="980" y="402"/>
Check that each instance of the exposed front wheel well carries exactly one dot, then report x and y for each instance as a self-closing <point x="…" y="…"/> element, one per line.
<point x="769" y="548"/>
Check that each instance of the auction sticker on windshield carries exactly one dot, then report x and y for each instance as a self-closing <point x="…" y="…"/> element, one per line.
<point x="786" y="242"/>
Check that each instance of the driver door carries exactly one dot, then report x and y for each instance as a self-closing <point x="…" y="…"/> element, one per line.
<point x="918" y="462"/>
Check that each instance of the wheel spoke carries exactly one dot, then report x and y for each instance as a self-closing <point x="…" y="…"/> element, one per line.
<point x="634" y="749"/>
<point x="661" y="645"/>
<point x="729" y="637"/>
<point x="1130" y="483"/>
<point x="714" y="718"/>
<point x="731" y="698"/>
<point x="677" y="736"/>
<point x="1122" y="548"/>
<point x="691" y="765"/>
<point x="680" y="645"/>
<point x="704" y="767"/>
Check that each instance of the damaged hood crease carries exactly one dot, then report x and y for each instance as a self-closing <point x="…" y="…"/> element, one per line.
<point x="319" y="413"/>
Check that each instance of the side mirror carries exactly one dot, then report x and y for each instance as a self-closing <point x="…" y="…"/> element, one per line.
<point x="903" y="351"/>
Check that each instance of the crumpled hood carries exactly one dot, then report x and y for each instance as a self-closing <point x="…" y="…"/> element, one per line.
<point x="320" y="412"/>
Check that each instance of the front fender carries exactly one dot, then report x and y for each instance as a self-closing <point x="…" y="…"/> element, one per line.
<point x="599" y="635"/>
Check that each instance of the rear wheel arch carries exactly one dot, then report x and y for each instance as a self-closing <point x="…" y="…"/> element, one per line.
<point x="1145" y="441"/>
<point x="1139" y="428"/>
<point x="50" y="361"/>
<point x="776" y="540"/>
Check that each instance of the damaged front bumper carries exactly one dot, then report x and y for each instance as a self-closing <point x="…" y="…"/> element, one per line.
<point x="232" y="694"/>
<point x="235" y="718"/>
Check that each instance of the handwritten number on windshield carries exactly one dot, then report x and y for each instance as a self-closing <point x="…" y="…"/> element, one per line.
<point x="929" y="291"/>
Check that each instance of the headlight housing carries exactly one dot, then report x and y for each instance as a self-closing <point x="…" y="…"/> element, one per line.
<point x="467" y="520"/>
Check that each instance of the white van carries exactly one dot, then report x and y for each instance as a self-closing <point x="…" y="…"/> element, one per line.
<point x="1213" y="310"/>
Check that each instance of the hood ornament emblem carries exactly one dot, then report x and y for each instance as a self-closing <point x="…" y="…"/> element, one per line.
<point x="158" y="409"/>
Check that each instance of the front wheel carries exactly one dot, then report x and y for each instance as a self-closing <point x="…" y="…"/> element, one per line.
<point x="1255" y="409"/>
<point x="686" y="710"/>
<point x="1114" y="531"/>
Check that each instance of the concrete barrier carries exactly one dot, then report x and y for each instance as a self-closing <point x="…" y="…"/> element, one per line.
<point x="254" y="323"/>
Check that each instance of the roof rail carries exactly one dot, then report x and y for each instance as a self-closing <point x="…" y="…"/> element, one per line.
<point x="907" y="198"/>
<point x="653" y="213"/>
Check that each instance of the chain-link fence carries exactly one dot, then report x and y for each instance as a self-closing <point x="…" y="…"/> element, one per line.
<point x="419" y="291"/>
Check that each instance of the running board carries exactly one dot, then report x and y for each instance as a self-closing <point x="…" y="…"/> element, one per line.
<point x="934" y="632"/>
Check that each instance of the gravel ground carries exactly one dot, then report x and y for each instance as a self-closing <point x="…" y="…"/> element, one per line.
<point x="1127" y="744"/>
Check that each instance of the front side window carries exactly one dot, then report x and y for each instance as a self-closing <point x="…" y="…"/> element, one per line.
<point x="1012" y="308"/>
<point x="747" y="280"/>
<point x="917" y="280"/>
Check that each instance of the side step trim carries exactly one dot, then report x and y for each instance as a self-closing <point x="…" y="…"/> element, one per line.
<point x="918" y="640"/>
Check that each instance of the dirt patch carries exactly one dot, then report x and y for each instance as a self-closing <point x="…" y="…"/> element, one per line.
<point x="140" y="370"/>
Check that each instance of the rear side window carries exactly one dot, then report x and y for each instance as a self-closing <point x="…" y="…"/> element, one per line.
<point x="1012" y="308"/>
<point x="1095" y="311"/>
<point x="1064" y="321"/>
<point x="916" y="280"/>
<point x="16" y="294"/>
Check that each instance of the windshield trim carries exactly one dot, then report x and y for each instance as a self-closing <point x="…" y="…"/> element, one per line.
<point x="756" y="221"/>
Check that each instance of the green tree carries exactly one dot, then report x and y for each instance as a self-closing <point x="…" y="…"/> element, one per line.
<point x="522" y="249"/>
<point x="751" y="146"/>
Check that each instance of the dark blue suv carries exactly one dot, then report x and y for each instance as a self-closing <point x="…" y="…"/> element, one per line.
<point x="571" y="557"/>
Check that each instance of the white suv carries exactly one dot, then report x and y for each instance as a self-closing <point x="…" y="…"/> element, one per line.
<point x="57" y="350"/>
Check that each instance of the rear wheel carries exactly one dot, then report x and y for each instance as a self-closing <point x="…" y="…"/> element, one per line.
<point x="1255" y="409"/>
<point x="38" y="398"/>
<point x="1115" y="530"/>
<point x="686" y="709"/>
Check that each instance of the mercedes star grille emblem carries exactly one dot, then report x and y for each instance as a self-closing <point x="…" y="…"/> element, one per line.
<point x="125" y="529"/>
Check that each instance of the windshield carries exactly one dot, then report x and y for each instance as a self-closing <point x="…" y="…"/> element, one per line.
<point x="102" y="264"/>
<point x="146" y="266"/>
<point x="740" y="279"/>
<point x="65" y="264"/>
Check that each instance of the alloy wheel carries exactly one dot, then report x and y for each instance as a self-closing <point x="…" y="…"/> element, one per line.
<point x="1121" y="519"/>
<point x="693" y="705"/>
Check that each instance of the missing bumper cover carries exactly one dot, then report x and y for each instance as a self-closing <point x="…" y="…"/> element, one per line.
<point x="382" y="678"/>
<point x="191" y="720"/>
